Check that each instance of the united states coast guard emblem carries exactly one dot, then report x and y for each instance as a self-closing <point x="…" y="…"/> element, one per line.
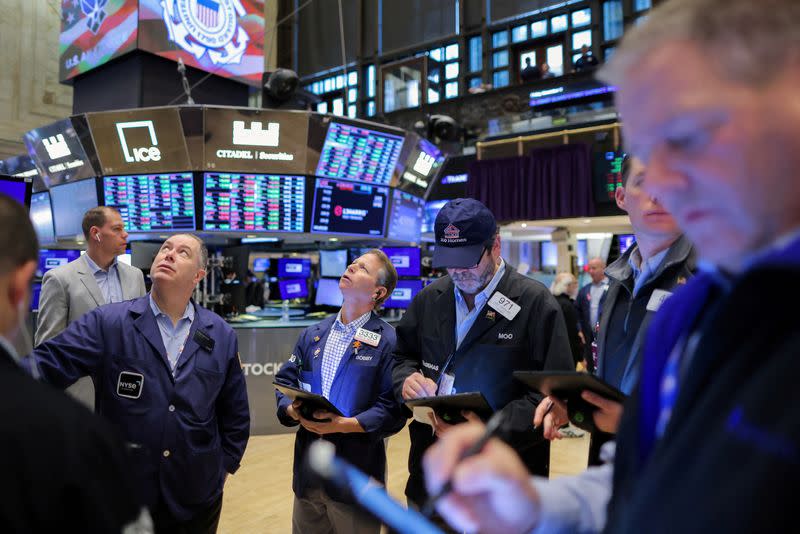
<point x="207" y="26"/>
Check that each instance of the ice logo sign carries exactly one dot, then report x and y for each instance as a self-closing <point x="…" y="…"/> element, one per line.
<point x="95" y="13"/>
<point x="143" y="153"/>
<point x="207" y="26"/>
<point x="56" y="146"/>
<point x="256" y="135"/>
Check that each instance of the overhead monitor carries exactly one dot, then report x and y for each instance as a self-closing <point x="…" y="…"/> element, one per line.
<point x="349" y="208"/>
<point x="328" y="293"/>
<point x="403" y="294"/>
<point x="52" y="258"/>
<point x="254" y="202"/>
<point x="294" y="268"/>
<point x="93" y="32"/>
<point x="255" y="140"/>
<point x="223" y="37"/>
<point x="295" y="288"/>
<point x="17" y="188"/>
<point x="421" y="167"/>
<point x="332" y="263"/>
<point x="405" y="217"/>
<point x="261" y="265"/>
<point x="355" y="152"/>
<point x="431" y="211"/>
<point x="406" y="260"/>
<point x="58" y="153"/>
<point x="70" y="201"/>
<point x="23" y="166"/>
<point x="139" y="141"/>
<point x="41" y="214"/>
<point x="152" y="202"/>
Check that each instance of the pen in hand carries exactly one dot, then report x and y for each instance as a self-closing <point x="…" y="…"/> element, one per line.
<point x="493" y="426"/>
<point x="547" y="411"/>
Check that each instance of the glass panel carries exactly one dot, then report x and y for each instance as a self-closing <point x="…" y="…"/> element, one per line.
<point x="322" y="107"/>
<point x="609" y="52"/>
<point x="612" y="20"/>
<point x="451" y="52"/>
<point x="351" y="111"/>
<point x="475" y="82"/>
<point x="523" y="63"/>
<point x="538" y="29"/>
<point x="371" y="81"/>
<point x="581" y="18"/>
<point x="500" y="79"/>
<point x="558" y="24"/>
<point x="520" y="33"/>
<point x="555" y="59"/>
<point x="451" y="71"/>
<point x="401" y="86"/>
<point x="340" y="81"/>
<point x="352" y="95"/>
<point x="437" y="53"/>
<point x="433" y="96"/>
<point x="328" y="84"/>
<point x="581" y="38"/>
<point x="500" y="59"/>
<point x="639" y="5"/>
<point x="338" y="107"/>
<point x="352" y="78"/>
<point x="475" y="54"/>
<point x="370" y="108"/>
<point x="451" y="90"/>
<point x="499" y="39"/>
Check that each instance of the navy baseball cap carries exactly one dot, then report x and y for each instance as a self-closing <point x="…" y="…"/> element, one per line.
<point x="464" y="228"/>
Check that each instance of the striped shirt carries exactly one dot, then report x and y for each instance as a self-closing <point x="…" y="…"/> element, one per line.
<point x="339" y="338"/>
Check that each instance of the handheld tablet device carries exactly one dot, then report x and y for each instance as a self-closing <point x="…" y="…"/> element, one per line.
<point x="311" y="401"/>
<point x="449" y="407"/>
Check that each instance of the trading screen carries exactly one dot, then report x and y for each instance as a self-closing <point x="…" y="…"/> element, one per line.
<point x="254" y="203"/>
<point x="349" y="208"/>
<point x="152" y="202"/>
<point x="355" y="153"/>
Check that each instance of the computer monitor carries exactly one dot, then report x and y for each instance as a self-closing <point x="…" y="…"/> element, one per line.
<point x="549" y="254"/>
<point x="52" y="258"/>
<point x="405" y="259"/>
<point x="261" y="265"/>
<point x="349" y="208"/>
<point x="70" y="201"/>
<point x="293" y="289"/>
<point x="332" y="262"/>
<point x="582" y="252"/>
<point x="405" y="217"/>
<point x="294" y="267"/>
<point x="328" y="293"/>
<point x="431" y="211"/>
<point x="625" y="242"/>
<point x="17" y="188"/>
<point x="353" y="152"/>
<point x="152" y="202"/>
<point x="403" y="294"/>
<point x="41" y="215"/>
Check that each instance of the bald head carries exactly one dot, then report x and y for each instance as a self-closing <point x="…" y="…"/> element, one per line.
<point x="596" y="268"/>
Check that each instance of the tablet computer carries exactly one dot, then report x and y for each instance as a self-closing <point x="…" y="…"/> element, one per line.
<point x="449" y="407"/>
<point x="311" y="400"/>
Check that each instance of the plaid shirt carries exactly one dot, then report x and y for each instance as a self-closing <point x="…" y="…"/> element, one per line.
<point x="339" y="339"/>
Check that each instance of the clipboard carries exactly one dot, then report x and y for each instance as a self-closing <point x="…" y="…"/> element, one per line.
<point x="311" y="401"/>
<point x="449" y="407"/>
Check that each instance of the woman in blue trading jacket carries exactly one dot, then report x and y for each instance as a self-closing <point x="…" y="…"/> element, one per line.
<point x="347" y="359"/>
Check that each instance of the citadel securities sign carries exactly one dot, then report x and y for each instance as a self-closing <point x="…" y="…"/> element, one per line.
<point x="257" y="141"/>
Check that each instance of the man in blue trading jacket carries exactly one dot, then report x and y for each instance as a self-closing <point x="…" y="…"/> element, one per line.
<point x="710" y="441"/>
<point x="167" y="374"/>
<point x="470" y="330"/>
<point x="347" y="359"/>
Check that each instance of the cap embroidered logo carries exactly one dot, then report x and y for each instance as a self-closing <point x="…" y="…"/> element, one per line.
<point x="451" y="232"/>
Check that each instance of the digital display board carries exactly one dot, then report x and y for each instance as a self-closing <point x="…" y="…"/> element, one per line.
<point x="403" y="294"/>
<point x="254" y="203"/>
<point x="50" y="259"/>
<point x="293" y="289"/>
<point x="58" y="153"/>
<point x="23" y="166"/>
<point x="349" y="208"/>
<point x="431" y="211"/>
<point x="17" y="188"/>
<point x="405" y="217"/>
<point x="607" y="175"/>
<point x="261" y="265"/>
<point x="294" y="267"/>
<point x="255" y="140"/>
<point x="406" y="260"/>
<point x="225" y="37"/>
<point x="332" y="262"/>
<point x="94" y="32"/>
<point x="152" y="202"/>
<point x="328" y="293"/>
<point x="357" y="153"/>
<point x="70" y="201"/>
<point x="423" y="163"/>
<point x="41" y="214"/>
<point x="139" y="141"/>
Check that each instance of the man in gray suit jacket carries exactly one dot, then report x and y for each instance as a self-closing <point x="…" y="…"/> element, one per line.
<point x="94" y="279"/>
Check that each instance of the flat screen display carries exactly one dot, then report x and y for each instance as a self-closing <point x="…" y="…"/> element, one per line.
<point x="254" y="202"/>
<point x="328" y="293"/>
<point x="549" y="254"/>
<point x="405" y="217"/>
<point x="16" y="188"/>
<point x="152" y="202"/>
<point x="356" y="153"/>
<point x="349" y="208"/>
<point x="421" y="167"/>
<point x="294" y="267"/>
<point x="41" y="214"/>
<point x="625" y="242"/>
<point x="94" y="32"/>
<point x="139" y="141"/>
<point x="332" y="262"/>
<point x="431" y="211"/>
<point x="58" y="153"/>
<point x="261" y="265"/>
<point x="403" y="294"/>
<point x="225" y="37"/>
<point x="405" y="259"/>
<point x="296" y="288"/>
<point x="582" y="252"/>
<point x="255" y="140"/>
<point x="23" y="166"/>
<point x="51" y="258"/>
<point x="70" y="201"/>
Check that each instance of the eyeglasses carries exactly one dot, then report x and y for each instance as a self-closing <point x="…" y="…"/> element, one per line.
<point x="485" y="250"/>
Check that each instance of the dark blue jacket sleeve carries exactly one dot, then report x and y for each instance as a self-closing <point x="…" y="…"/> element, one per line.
<point x="386" y="416"/>
<point x="289" y="375"/>
<point x="233" y="410"/>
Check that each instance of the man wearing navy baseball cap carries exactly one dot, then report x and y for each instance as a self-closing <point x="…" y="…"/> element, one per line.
<point x="469" y="330"/>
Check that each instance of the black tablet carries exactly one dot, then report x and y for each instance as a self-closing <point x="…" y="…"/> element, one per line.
<point x="449" y="407"/>
<point x="566" y="384"/>
<point x="317" y="402"/>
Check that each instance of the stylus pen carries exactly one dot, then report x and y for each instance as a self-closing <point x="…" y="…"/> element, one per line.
<point x="493" y="426"/>
<point x="547" y="411"/>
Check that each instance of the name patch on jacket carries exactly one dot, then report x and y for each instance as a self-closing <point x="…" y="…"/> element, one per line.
<point x="202" y="339"/>
<point x="130" y="385"/>
<point x="365" y="336"/>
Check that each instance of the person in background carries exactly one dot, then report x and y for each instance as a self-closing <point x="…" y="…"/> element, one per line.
<point x="348" y="360"/>
<point x="709" y="440"/>
<point x="254" y="290"/>
<point x="587" y="61"/>
<point x="564" y="288"/>
<point x="530" y="72"/>
<point x="64" y="469"/>
<point x="546" y="72"/>
<point x="590" y="303"/>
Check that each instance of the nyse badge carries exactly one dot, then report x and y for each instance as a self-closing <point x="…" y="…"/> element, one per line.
<point x="491" y="315"/>
<point x="130" y="384"/>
